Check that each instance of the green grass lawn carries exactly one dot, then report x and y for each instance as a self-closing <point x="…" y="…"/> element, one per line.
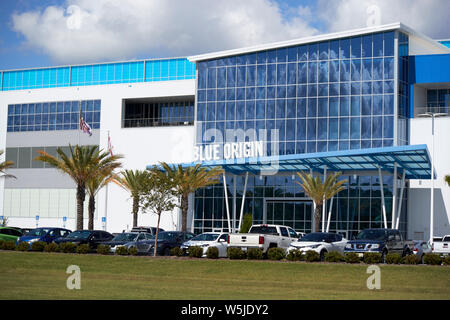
<point x="32" y="275"/>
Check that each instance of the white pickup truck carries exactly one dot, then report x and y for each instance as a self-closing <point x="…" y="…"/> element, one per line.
<point x="442" y="246"/>
<point x="263" y="237"/>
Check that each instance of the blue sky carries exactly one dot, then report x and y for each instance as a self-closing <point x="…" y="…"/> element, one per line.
<point x="37" y="33"/>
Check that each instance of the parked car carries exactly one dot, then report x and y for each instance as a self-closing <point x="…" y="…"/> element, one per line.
<point x="421" y="248"/>
<point x="91" y="237"/>
<point x="166" y="241"/>
<point x="10" y="234"/>
<point x="129" y="238"/>
<point x="151" y="230"/>
<point x="207" y="240"/>
<point x="383" y="241"/>
<point x="263" y="237"/>
<point x="320" y="242"/>
<point x="441" y="246"/>
<point x="44" y="234"/>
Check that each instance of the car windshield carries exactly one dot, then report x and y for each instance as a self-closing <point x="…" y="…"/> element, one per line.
<point x="371" y="235"/>
<point x="314" y="237"/>
<point x="264" y="230"/>
<point x="206" y="237"/>
<point x="79" y="235"/>
<point x="168" y="235"/>
<point x="125" y="237"/>
<point x="39" y="232"/>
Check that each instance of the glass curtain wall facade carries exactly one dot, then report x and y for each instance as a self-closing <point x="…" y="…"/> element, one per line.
<point x="326" y="96"/>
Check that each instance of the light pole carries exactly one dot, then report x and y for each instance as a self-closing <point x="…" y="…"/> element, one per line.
<point x="432" y="115"/>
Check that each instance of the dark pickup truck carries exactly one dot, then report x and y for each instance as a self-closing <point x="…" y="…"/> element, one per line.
<point x="383" y="241"/>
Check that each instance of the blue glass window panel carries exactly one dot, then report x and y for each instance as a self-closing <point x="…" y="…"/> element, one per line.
<point x="367" y="69"/>
<point x="251" y="58"/>
<point x="355" y="105"/>
<point x="388" y="143"/>
<point x="302" y="90"/>
<point x="230" y="61"/>
<point x="271" y="92"/>
<point x="240" y="110"/>
<point x="201" y="111"/>
<point x="378" y="45"/>
<point x="377" y="127"/>
<point x="202" y="71"/>
<point x="261" y="57"/>
<point x="365" y="144"/>
<point x="53" y="107"/>
<point x="60" y="107"/>
<point x="66" y="118"/>
<point x="301" y="108"/>
<point x="302" y="72"/>
<point x="323" y="90"/>
<point x="312" y="90"/>
<point x="367" y="46"/>
<point x="281" y="74"/>
<point x="10" y="121"/>
<point x="292" y="73"/>
<point x="345" y="89"/>
<point x="356" y="70"/>
<point x="377" y="87"/>
<point x="389" y="43"/>
<point x="52" y="118"/>
<point x="389" y="68"/>
<point x="24" y="109"/>
<point x="212" y="74"/>
<point x="210" y="112"/>
<point x="344" y="145"/>
<point x="292" y="54"/>
<point x="281" y="92"/>
<point x="343" y="128"/>
<point x="323" y="72"/>
<point x="312" y="107"/>
<point x="250" y="110"/>
<point x="250" y="93"/>
<point x="221" y="77"/>
<point x="313" y="51"/>
<point x="312" y="72"/>
<point x="260" y="92"/>
<point x="280" y="125"/>
<point x="291" y="91"/>
<point x="388" y="104"/>
<point x="251" y="75"/>
<point x="231" y="107"/>
<point x="280" y="108"/>
<point x="201" y="95"/>
<point x="355" y="128"/>
<point x="17" y="109"/>
<point x="323" y="107"/>
<point x="388" y="87"/>
<point x="30" y="120"/>
<point x="261" y="75"/>
<point x="356" y="47"/>
<point x="366" y="87"/>
<point x="290" y="108"/>
<point x="290" y="130"/>
<point x="96" y="116"/>
<point x="355" y="145"/>
<point x="334" y="128"/>
<point x="241" y="76"/>
<point x="260" y="125"/>
<point x="211" y="94"/>
<point x="334" y="106"/>
<point x="344" y="106"/>
<point x="231" y="76"/>
<point x="271" y="74"/>
<point x="334" y="89"/>
<point x="356" y="88"/>
<point x="45" y="119"/>
<point x="311" y="129"/>
<point x="377" y="105"/>
<point x="17" y="120"/>
<point x="301" y="129"/>
<point x="240" y="93"/>
<point x="322" y="129"/>
<point x="302" y="53"/>
<point x="37" y="120"/>
<point x="366" y="105"/>
<point x="67" y="106"/>
<point x="334" y="49"/>
<point x="311" y="147"/>
<point x="324" y="50"/>
<point x="272" y="56"/>
<point x="334" y="71"/>
<point x="231" y="94"/>
<point x="31" y="108"/>
<point x="220" y="111"/>
<point x="281" y="55"/>
<point x="345" y="70"/>
<point x="388" y="127"/>
<point x="260" y="109"/>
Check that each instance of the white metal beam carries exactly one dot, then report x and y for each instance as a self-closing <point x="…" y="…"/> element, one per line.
<point x="226" y="201"/>
<point x="383" y="205"/>
<point x="394" y="196"/>
<point x="401" y="199"/>
<point x="329" y="214"/>
<point x="243" y="201"/>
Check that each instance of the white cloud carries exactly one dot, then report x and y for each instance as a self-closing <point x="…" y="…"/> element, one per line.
<point x="113" y="29"/>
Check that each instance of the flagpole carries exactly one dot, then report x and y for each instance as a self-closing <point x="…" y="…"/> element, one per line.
<point x="79" y="123"/>
<point x="106" y="189"/>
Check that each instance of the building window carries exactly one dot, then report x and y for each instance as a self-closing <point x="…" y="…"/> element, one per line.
<point x="156" y="114"/>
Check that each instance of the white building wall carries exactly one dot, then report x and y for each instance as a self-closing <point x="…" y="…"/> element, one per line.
<point x="419" y="196"/>
<point x="140" y="146"/>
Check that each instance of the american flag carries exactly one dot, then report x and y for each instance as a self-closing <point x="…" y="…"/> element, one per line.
<point x="84" y="126"/>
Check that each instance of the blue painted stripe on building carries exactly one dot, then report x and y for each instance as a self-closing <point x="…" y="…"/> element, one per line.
<point x="445" y="43"/>
<point x="430" y="68"/>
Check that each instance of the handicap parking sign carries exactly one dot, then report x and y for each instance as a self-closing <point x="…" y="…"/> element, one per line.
<point x="37" y="217"/>
<point x="64" y="219"/>
<point x="103" y="219"/>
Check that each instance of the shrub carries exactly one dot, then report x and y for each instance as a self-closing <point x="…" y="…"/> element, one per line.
<point x="23" y="246"/>
<point x="51" y="247"/>
<point x="103" y="249"/>
<point x="1" y="244"/>
<point x="254" y="254"/>
<point x="372" y="257"/>
<point x="432" y="258"/>
<point x="393" y="258"/>
<point x="334" y="256"/>
<point x="410" y="259"/>
<point x="212" y="253"/>
<point x="195" y="252"/>
<point x="235" y="253"/>
<point x="38" y="246"/>
<point x="121" y="251"/>
<point x="276" y="254"/>
<point x="83" y="249"/>
<point x="295" y="255"/>
<point x="133" y="251"/>
<point x="446" y="261"/>
<point x="8" y="245"/>
<point x="177" y="251"/>
<point x="352" y="257"/>
<point x="312" y="256"/>
<point x="68" y="247"/>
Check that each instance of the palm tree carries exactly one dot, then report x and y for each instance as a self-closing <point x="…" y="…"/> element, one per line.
<point x="134" y="183"/>
<point x="188" y="180"/>
<point x="320" y="192"/>
<point x="83" y="163"/>
<point x="447" y="179"/>
<point x="5" y="165"/>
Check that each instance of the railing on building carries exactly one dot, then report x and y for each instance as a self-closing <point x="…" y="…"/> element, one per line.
<point x="443" y="111"/>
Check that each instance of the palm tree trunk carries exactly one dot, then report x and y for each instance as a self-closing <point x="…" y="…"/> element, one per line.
<point x="135" y="210"/>
<point x="91" y="209"/>
<point x="317" y="217"/>
<point x="156" y="237"/>
<point x="81" y="194"/>
<point x="184" y="211"/>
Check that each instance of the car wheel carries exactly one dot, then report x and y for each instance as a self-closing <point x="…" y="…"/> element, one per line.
<point x="322" y="255"/>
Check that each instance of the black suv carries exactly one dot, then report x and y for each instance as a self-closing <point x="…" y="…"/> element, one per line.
<point x="91" y="237"/>
<point x="383" y="241"/>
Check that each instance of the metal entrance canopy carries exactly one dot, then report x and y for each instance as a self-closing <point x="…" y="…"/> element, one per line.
<point x="414" y="160"/>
